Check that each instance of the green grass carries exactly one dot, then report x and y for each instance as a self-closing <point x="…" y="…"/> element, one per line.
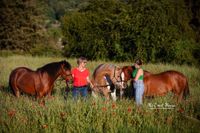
<point x="24" y="114"/>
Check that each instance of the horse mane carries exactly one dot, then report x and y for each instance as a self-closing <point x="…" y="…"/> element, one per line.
<point x="129" y="70"/>
<point x="102" y="67"/>
<point x="53" y="68"/>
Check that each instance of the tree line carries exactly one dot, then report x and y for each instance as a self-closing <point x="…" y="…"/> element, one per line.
<point x="119" y="30"/>
<point x="154" y="30"/>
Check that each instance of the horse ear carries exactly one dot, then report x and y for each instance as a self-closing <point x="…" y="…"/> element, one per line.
<point x="63" y="61"/>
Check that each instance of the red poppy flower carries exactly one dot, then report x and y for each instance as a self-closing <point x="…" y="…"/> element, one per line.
<point x="129" y="109"/>
<point x="11" y="113"/>
<point x="113" y="106"/>
<point x="104" y="109"/>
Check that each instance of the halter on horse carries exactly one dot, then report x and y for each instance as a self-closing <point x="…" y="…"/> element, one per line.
<point x="40" y="82"/>
<point x="162" y="83"/>
<point x="106" y="78"/>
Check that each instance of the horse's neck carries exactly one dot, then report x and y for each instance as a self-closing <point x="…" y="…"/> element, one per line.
<point x="147" y="73"/>
<point x="52" y="71"/>
<point x="129" y="72"/>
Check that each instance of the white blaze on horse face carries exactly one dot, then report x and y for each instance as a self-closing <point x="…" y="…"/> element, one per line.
<point x="122" y="76"/>
<point x="113" y="94"/>
<point x="122" y="83"/>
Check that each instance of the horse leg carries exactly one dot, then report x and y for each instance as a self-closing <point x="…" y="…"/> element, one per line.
<point x="121" y="93"/>
<point x="113" y="94"/>
<point x="49" y="92"/>
<point x="94" y="94"/>
<point x="16" y="92"/>
<point x="39" y="98"/>
<point x="180" y="97"/>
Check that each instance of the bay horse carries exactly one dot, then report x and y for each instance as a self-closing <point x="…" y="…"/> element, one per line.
<point x="40" y="82"/>
<point x="162" y="83"/>
<point x="106" y="78"/>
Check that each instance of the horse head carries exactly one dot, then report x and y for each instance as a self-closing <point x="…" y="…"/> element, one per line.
<point x="126" y="74"/>
<point x="65" y="70"/>
<point x="118" y="78"/>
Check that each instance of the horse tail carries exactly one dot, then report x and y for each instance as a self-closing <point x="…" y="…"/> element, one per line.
<point x="186" y="91"/>
<point x="10" y="83"/>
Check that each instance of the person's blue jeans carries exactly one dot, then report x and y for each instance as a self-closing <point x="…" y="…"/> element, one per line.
<point x="83" y="91"/>
<point x="139" y="91"/>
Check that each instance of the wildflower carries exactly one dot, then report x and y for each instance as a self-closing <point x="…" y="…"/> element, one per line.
<point x="11" y="113"/>
<point x="113" y="114"/>
<point x="113" y="106"/>
<point x="44" y="126"/>
<point x="62" y="115"/>
<point x="129" y="109"/>
<point x="42" y="103"/>
<point x="104" y="109"/>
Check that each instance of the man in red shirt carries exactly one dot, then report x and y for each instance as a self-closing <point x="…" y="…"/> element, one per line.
<point x="81" y="79"/>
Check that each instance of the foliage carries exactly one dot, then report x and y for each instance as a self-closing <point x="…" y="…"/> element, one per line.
<point x="20" y="24"/>
<point x="45" y="50"/>
<point x="55" y="9"/>
<point x="120" y="30"/>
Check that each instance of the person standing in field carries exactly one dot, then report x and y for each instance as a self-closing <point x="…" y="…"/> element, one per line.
<point x="81" y="79"/>
<point x="138" y="83"/>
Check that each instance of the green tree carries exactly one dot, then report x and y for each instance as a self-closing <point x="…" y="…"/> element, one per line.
<point x="20" y="26"/>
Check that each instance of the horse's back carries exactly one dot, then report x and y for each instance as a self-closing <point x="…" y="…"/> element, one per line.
<point x="19" y="72"/>
<point x="171" y="74"/>
<point x="161" y="83"/>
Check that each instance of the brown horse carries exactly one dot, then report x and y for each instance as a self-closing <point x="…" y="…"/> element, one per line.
<point x="162" y="83"/>
<point x="105" y="78"/>
<point x="40" y="82"/>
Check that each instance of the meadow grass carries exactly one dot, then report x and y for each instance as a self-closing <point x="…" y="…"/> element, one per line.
<point x="63" y="114"/>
